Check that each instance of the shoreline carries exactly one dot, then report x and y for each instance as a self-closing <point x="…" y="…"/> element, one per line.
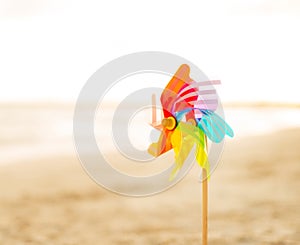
<point x="72" y="103"/>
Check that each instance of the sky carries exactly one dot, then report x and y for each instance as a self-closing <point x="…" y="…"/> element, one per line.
<point x="49" y="49"/>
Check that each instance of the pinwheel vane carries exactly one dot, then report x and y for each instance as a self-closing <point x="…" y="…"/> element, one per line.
<point x="189" y="118"/>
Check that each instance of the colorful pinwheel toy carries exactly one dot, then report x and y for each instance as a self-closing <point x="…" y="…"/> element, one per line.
<point x="189" y="119"/>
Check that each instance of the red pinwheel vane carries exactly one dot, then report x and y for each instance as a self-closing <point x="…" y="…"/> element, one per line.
<point x="189" y="119"/>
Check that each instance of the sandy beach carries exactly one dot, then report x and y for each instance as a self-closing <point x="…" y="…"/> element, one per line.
<point x="253" y="199"/>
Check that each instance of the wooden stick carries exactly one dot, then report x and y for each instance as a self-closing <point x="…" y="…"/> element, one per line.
<point x="204" y="207"/>
<point x="153" y="108"/>
<point x="204" y="204"/>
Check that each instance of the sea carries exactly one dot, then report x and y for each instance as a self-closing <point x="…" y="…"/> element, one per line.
<point x="33" y="131"/>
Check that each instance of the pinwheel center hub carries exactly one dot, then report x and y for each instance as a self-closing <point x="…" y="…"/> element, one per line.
<point x="169" y="123"/>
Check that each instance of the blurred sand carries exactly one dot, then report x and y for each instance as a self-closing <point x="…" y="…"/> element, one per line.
<point x="254" y="199"/>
